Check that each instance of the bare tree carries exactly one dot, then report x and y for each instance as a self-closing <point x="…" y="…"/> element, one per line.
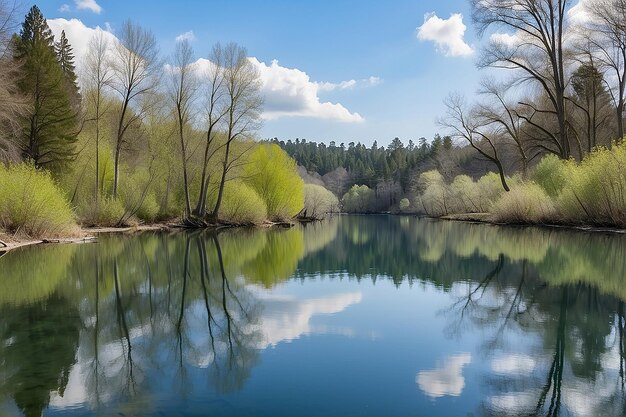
<point x="607" y="37"/>
<point x="539" y="52"/>
<point x="135" y="64"/>
<point x="502" y="115"/>
<point x="182" y="94"/>
<point x="243" y="107"/>
<point x="215" y="110"/>
<point x="97" y="77"/>
<point x="466" y="124"/>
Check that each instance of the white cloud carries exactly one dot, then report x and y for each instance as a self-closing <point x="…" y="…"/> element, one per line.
<point x="189" y="36"/>
<point x="290" y="92"/>
<point x="350" y="84"/>
<point x="64" y="8"/>
<point x="88" y="5"/>
<point x="580" y="13"/>
<point x="79" y="36"/>
<point x="447" y="34"/>
<point x="446" y="379"/>
<point x="514" y="365"/>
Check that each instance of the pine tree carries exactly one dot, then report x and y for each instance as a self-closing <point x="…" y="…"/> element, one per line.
<point x="50" y="125"/>
<point x="65" y="55"/>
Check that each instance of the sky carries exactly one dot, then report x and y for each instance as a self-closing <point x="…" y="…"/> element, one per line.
<point x="332" y="70"/>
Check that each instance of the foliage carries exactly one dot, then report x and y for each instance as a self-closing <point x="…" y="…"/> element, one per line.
<point x="242" y="204"/>
<point x="31" y="203"/>
<point x="550" y="174"/>
<point x="273" y="175"/>
<point x="51" y="124"/>
<point x="404" y="204"/>
<point x="525" y="203"/>
<point x="318" y="201"/>
<point x="359" y="199"/>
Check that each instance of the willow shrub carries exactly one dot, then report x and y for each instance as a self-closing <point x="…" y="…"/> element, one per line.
<point x="241" y="204"/>
<point x="318" y="201"/>
<point x="274" y="176"/>
<point x="107" y="213"/>
<point x="31" y="203"/>
<point x="358" y="199"/>
<point x="594" y="190"/>
<point x="525" y="203"/>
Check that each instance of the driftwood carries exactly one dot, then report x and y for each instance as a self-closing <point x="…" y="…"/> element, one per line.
<point x="4" y="245"/>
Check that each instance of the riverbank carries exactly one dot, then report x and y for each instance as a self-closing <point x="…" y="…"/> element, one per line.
<point x="90" y="234"/>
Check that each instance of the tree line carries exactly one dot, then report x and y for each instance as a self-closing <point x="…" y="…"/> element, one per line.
<point x="136" y="136"/>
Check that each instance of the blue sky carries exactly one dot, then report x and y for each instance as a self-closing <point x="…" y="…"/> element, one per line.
<point x="399" y="80"/>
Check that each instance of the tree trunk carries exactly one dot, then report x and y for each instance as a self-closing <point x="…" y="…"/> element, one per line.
<point x="220" y="193"/>
<point x="184" y="158"/>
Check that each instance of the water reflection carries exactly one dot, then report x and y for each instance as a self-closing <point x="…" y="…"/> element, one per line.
<point x="112" y="326"/>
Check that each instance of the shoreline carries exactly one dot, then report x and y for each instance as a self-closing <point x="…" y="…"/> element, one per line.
<point x="90" y="234"/>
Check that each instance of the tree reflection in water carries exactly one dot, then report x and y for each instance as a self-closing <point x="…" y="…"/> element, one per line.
<point x="132" y="315"/>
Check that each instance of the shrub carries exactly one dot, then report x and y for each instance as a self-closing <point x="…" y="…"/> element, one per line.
<point x="595" y="189"/>
<point x="318" y="201"/>
<point x="404" y="204"/>
<point x="550" y="174"/>
<point x="241" y="204"/>
<point x="465" y="195"/>
<point x="526" y="203"/>
<point x="33" y="204"/>
<point x="358" y="199"/>
<point x="108" y="213"/>
<point x="274" y="176"/>
<point x="490" y="189"/>
<point x="138" y="197"/>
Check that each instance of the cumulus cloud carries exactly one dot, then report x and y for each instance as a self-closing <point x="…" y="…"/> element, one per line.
<point x="88" y="5"/>
<point x="79" y="36"/>
<point x="189" y="36"/>
<point x="64" y="8"/>
<point x="447" y="34"/>
<point x="290" y="92"/>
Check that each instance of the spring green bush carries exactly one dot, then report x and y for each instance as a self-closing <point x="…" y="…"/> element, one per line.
<point x="31" y="203"/>
<point x="404" y="204"/>
<point x="465" y="195"/>
<point x="242" y="205"/>
<point x="137" y="195"/>
<point x="595" y="189"/>
<point x="435" y="194"/>
<point x="274" y="176"/>
<point x="107" y="213"/>
<point x="525" y="203"/>
<point x="550" y="174"/>
<point x="358" y="199"/>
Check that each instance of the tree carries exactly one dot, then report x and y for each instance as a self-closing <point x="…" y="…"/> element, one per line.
<point x="97" y="78"/>
<point x="65" y="56"/>
<point x="243" y="107"/>
<point x="538" y="53"/>
<point x="182" y="94"/>
<point x="216" y="109"/>
<point x="607" y="37"/>
<point x="465" y="124"/>
<point x="135" y="67"/>
<point x="503" y="116"/>
<point x="592" y="99"/>
<point x="50" y="125"/>
<point x="13" y="105"/>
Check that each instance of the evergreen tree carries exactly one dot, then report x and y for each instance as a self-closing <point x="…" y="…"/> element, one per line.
<point x="50" y="125"/>
<point x="65" y="55"/>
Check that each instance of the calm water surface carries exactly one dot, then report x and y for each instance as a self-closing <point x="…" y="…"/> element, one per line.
<point x="355" y="316"/>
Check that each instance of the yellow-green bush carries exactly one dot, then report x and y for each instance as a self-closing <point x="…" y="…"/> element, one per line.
<point x="274" y="176"/>
<point x="108" y="212"/>
<point x="525" y="203"/>
<point x="241" y="204"/>
<point x="138" y="197"/>
<point x="31" y="203"/>
<point x="550" y="174"/>
<point x="595" y="189"/>
<point x="358" y="199"/>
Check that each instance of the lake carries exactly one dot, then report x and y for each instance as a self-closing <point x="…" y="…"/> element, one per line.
<point x="353" y="316"/>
